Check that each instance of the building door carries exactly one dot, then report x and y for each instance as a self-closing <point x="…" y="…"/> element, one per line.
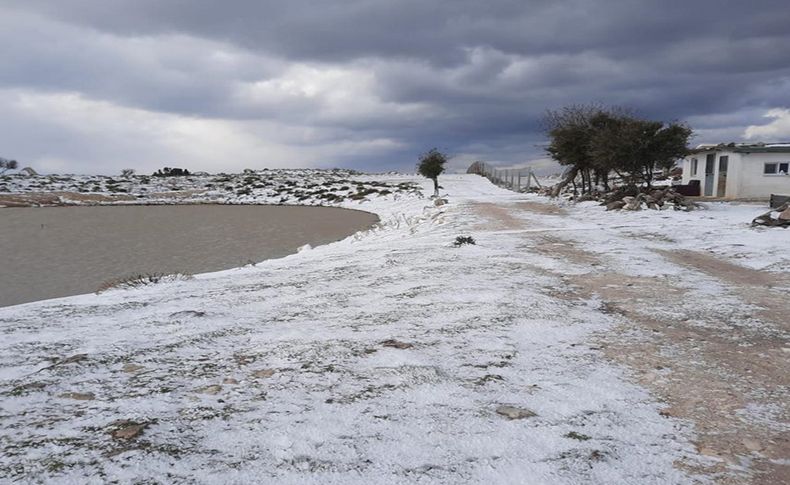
<point x="710" y="164"/>
<point x="721" y="185"/>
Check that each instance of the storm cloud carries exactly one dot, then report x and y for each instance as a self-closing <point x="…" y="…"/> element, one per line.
<point x="100" y="85"/>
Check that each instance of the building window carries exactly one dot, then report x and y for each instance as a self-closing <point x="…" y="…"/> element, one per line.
<point x="779" y="168"/>
<point x="694" y="164"/>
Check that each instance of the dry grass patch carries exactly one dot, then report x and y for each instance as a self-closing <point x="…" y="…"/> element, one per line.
<point x="138" y="280"/>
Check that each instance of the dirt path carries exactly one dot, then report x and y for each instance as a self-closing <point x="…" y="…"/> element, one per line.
<point x="726" y="370"/>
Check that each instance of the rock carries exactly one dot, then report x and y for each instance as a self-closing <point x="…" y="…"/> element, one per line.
<point x="35" y="386"/>
<point x="774" y="218"/>
<point x="512" y="412"/>
<point x="396" y="344"/>
<point x="127" y="430"/>
<point x="73" y="359"/>
<point x="752" y="445"/>
<point x="229" y="380"/>
<point x="263" y="373"/>
<point x="212" y="389"/>
<point x="616" y="205"/>
<point x="188" y="314"/>
<point x="132" y="368"/>
<point x="439" y="202"/>
<point x="634" y="204"/>
<point x="79" y="396"/>
<point x="68" y="360"/>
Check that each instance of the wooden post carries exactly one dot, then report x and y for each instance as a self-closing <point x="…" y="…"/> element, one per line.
<point x="532" y="175"/>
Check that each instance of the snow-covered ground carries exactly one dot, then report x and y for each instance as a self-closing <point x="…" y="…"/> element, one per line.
<point x="302" y="187"/>
<point x="723" y="229"/>
<point x="388" y="357"/>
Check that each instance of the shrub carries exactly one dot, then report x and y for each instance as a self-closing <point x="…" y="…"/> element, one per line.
<point x="171" y="172"/>
<point x="6" y="165"/>
<point x="461" y="240"/>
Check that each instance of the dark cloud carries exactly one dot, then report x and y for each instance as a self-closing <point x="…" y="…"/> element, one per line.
<point x="372" y="83"/>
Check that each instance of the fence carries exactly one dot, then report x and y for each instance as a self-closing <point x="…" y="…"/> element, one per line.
<point x="517" y="179"/>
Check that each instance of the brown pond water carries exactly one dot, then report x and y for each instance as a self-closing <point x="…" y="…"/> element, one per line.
<point x="50" y="252"/>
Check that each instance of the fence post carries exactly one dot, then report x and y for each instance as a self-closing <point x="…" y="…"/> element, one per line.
<point x="518" y="189"/>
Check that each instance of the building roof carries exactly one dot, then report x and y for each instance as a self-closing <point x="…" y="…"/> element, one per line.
<point x="743" y="148"/>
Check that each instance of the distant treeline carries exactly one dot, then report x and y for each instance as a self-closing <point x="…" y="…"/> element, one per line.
<point x="171" y="172"/>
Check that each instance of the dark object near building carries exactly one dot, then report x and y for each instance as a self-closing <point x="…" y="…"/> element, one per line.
<point x="779" y="200"/>
<point x="689" y="190"/>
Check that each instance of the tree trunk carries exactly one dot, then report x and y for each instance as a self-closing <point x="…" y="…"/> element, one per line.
<point x="585" y="176"/>
<point x="436" y="187"/>
<point x="649" y="175"/>
<point x="555" y="191"/>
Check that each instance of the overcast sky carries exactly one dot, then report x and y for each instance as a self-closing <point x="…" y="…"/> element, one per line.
<point x="94" y="86"/>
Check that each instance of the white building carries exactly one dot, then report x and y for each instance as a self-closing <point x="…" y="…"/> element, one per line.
<point x="740" y="171"/>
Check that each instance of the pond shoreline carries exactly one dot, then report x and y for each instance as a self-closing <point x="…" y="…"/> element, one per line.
<point x="78" y="248"/>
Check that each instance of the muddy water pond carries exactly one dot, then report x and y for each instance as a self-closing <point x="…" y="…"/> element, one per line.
<point x="52" y="252"/>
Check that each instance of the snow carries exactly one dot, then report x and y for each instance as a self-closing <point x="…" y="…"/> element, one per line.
<point x="302" y="187"/>
<point x="484" y="327"/>
<point x="723" y="229"/>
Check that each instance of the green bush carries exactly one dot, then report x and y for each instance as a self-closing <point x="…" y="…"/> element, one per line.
<point x="461" y="240"/>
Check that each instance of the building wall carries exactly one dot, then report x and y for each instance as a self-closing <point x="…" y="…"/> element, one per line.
<point x="754" y="183"/>
<point x="745" y="177"/>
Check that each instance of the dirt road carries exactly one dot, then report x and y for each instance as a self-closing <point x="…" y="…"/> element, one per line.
<point x="707" y="337"/>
